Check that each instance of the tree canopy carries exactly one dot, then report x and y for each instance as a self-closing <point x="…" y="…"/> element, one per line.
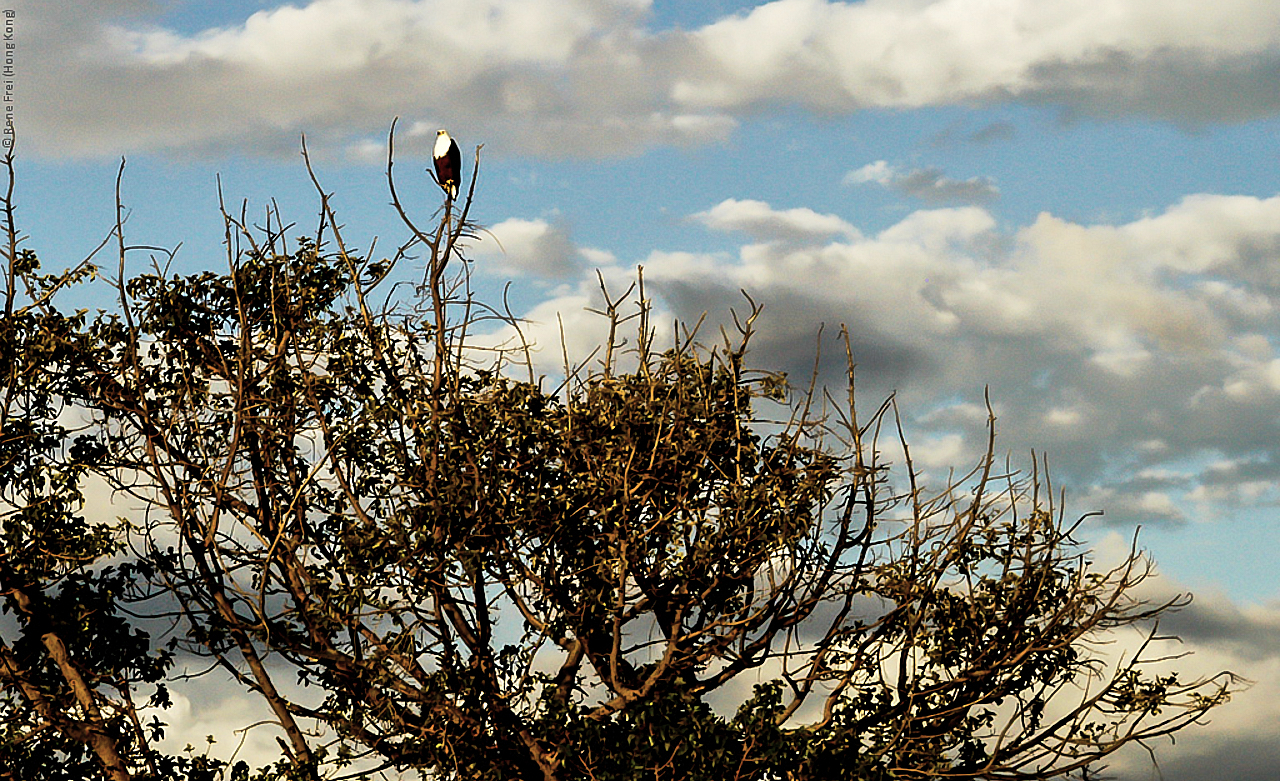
<point x="430" y="561"/>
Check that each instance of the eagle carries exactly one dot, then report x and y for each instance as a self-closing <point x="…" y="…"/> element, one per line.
<point x="448" y="162"/>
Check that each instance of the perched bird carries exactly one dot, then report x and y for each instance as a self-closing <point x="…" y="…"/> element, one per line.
<point x="448" y="162"/>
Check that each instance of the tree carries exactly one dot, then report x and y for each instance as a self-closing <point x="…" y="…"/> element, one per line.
<point x="72" y="665"/>
<point x="486" y="577"/>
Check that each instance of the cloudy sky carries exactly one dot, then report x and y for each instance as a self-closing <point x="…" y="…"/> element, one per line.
<point x="1073" y="202"/>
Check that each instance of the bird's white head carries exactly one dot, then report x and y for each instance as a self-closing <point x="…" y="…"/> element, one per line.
<point x="442" y="142"/>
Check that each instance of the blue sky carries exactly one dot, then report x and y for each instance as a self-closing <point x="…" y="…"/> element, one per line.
<point x="1075" y="202"/>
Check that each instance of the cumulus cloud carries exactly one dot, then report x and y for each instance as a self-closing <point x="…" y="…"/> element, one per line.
<point x="879" y="172"/>
<point x="930" y="185"/>
<point x="843" y="56"/>
<point x="1139" y="356"/>
<point x="592" y="77"/>
<point x="1213" y="635"/>
<point x="758" y="219"/>
<point x="211" y="707"/>
<point x="528" y="248"/>
<point x="552" y="77"/>
<point x="1216" y="634"/>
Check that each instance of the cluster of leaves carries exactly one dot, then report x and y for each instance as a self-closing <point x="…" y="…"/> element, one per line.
<point x="71" y="661"/>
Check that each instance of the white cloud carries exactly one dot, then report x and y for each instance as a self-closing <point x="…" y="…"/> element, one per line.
<point x="450" y="38"/>
<point x="940" y="452"/>
<point x="210" y="706"/>
<point x="759" y="220"/>
<point x="520" y="70"/>
<point x="526" y="247"/>
<point x="1239" y="739"/>
<point x="930" y="185"/>
<point x="1100" y="343"/>
<point x="842" y="56"/>
<point x="1063" y="416"/>
<point x="569" y="327"/>
<point x="589" y="77"/>
<point x="879" y="172"/>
